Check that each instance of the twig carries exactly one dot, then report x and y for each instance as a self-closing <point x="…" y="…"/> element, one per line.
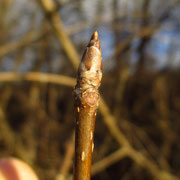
<point x="138" y="157"/>
<point x="10" y="139"/>
<point x="49" y="8"/>
<point x="25" y="41"/>
<point x="67" y="160"/>
<point x="39" y="77"/>
<point x="109" y="160"/>
<point x="86" y="103"/>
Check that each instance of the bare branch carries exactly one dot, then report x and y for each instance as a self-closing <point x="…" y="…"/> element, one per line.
<point x="109" y="160"/>
<point x="28" y="39"/>
<point x="67" y="160"/>
<point x="39" y="77"/>
<point x="86" y="103"/>
<point x="68" y="47"/>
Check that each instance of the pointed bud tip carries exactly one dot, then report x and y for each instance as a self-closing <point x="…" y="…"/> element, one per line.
<point x="95" y="40"/>
<point x="95" y="35"/>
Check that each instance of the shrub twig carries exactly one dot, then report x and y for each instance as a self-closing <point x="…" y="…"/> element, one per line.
<point x="86" y="103"/>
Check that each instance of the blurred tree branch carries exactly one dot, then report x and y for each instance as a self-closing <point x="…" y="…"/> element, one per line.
<point x="109" y="160"/>
<point x="67" y="159"/>
<point x="38" y="77"/>
<point x="49" y="9"/>
<point x="28" y="39"/>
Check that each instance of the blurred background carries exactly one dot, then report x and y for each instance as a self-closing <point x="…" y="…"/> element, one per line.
<point x="137" y="126"/>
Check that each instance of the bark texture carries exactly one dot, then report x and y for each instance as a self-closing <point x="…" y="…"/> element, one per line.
<point x="86" y="103"/>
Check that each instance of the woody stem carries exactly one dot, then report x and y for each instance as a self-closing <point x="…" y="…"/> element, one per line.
<point x="86" y="103"/>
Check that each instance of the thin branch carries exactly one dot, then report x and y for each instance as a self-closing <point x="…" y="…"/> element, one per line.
<point x="25" y="41"/>
<point x="67" y="160"/>
<point x="109" y="160"/>
<point x="111" y="124"/>
<point x="86" y="103"/>
<point x="39" y="77"/>
<point x="138" y="157"/>
<point x="144" y="162"/>
<point x="53" y="16"/>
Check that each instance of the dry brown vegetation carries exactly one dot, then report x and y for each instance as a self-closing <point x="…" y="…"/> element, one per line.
<point x="137" y="126"/>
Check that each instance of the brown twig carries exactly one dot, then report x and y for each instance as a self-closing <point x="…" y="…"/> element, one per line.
<point x="86" y="103"/>
<point x="28" y="39"/>
<point x="38" y="77"/>
<point x="109" y="160"/>
<point x="67" y="159"/>
<point x="50" y="10"/>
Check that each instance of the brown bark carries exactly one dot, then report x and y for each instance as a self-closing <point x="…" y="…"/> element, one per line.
<point x="86" y="103"/>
